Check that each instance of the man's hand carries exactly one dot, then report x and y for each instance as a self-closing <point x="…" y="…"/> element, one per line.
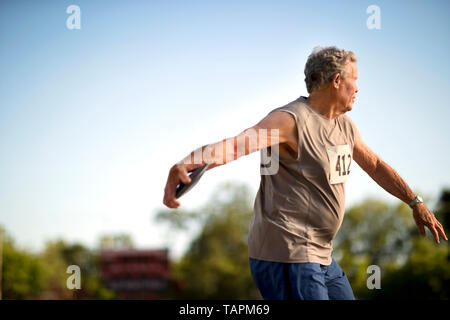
<point x="178" y="173"/>
<point x="425" y="217"/>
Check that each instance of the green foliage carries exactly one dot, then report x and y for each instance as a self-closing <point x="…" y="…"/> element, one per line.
<point x="24" y="275"/>
<point x="376" y="233"/>
<point x="58" y="255"/>
<point x="216" y="265"/>
<point x="56" y="267"/>
<point x="443" y="211"/>
<point x="43" y="276"/>
<point x="426" y="274"/>
<point x="372" y="233"/>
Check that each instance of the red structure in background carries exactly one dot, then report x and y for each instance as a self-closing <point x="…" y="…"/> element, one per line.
<point x="136" y="274"/>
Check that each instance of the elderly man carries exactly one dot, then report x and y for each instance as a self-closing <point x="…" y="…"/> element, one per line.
<point x="299" y="208"/>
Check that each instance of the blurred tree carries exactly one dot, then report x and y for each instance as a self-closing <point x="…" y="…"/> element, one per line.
<point x="23" y="274"/>
<point x="426" y="274"/>
<point x="216" y="266"/>
<point x="373" y="233"/>
<point x="443" y="210"/>
<point x="58" y="255"/>
<point x="56" y="268"/>
<point x="376" y="233"/>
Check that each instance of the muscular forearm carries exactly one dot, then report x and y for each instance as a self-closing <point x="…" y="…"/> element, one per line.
<point x="390" y="181"/>
<point x="227" y="150"/>
<point x="199" y="157"/>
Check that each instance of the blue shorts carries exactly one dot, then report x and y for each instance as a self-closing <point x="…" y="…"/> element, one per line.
<point x="300" y="281"/>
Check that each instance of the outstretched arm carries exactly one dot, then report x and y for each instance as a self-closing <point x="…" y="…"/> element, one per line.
<point x="276" y="128"/>
<point x="390" y="181"/>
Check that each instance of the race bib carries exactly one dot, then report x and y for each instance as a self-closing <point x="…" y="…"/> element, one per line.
<point x="340" y="159"/>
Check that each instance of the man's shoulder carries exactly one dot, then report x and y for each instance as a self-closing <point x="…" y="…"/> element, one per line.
<point x="297" y="107"/>
<point x="347" y="120"/>
<point x="348" y="124"/>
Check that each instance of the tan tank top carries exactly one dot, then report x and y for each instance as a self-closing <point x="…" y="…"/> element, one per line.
<point x="299" y="209"/>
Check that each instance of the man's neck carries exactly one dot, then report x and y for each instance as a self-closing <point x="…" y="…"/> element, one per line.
<point x="324" y="105"/>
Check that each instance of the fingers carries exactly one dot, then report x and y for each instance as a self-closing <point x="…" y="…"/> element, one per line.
<point x="185" y="179"/>
<point x="428" y="219"/>
<point x="177" y="174"/>
<point x="434" y="233"/>
<point x="170" y="201"/>
<point x="180" y="174"/>
<point x="437" y="230"/>
<point x="441" y="231"/>
<point x="443" y="234"/>
<point x="170" y="196"/>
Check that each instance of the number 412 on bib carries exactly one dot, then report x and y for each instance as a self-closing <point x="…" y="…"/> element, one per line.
<point x="340" y="159"/>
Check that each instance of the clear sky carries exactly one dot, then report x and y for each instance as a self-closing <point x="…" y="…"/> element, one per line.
<point x="91" y="120"/>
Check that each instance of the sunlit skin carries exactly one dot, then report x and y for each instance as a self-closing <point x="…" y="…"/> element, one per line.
<point x="335" y="99"/>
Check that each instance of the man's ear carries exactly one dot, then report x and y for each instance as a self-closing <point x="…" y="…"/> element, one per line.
<point x="336" y="81"/>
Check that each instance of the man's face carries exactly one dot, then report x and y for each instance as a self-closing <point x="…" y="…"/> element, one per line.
<point x="347" y="88"/>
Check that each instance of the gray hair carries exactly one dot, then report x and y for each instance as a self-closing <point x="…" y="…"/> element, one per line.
<point x="323" y="64"/>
